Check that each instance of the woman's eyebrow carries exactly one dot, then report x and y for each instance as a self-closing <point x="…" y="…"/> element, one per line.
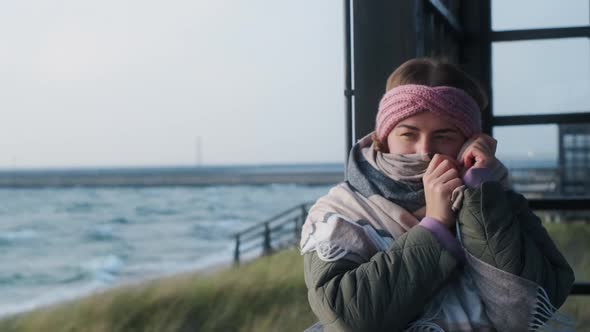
<point x="446" y="130"/>
<point x="438" y="131"/>
<point x="408" y="127"/>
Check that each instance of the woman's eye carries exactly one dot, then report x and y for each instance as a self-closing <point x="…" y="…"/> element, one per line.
<point x="443" y="137"/>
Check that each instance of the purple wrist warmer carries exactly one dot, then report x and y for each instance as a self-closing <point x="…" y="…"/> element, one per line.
<point x="444" y="236"/>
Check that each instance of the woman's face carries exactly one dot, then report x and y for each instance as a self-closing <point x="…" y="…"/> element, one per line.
<point x="425" y="133"/>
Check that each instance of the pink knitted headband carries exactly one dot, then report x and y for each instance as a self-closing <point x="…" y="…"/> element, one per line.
<point x="407" y="100"/>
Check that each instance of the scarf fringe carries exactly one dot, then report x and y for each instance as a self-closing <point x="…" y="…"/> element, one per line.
<point x="425" y="324"/>
<point x="329" y="252"/>
<point x="545" y="316"/>
<point x="420" y="326"/>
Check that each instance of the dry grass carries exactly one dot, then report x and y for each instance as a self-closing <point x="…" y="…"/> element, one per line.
<point x="266" y="295"/>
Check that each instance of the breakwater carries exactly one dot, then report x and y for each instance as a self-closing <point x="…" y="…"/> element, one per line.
<point x="178" y="176"/>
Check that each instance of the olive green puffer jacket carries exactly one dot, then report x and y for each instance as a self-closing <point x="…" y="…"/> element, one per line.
<point x="392" y="289"/>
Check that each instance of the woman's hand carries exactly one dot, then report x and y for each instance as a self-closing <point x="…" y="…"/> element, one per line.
<point x="479" y="152"/>
<point x="440" y="179"/>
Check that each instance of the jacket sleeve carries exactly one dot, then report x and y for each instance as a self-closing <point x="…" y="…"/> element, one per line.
<point x="383" y="294"/>
<point x="498" y="228"/>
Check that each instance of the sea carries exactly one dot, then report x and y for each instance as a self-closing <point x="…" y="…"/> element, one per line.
<point x="58" y="244"/>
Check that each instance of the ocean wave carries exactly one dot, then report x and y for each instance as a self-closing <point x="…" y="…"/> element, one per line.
<point x="102" y="233"/>
<point x="149" y="211"/>
<point x="151" y="270"/>
<point x="11" y="237"/>
<point x="105" y="269"/>
<point x="11" y="278"/>
<point x="211" y="230"/>
<point x="78" y="207"/>
<point x="73" y="278"/>
<point x="18" y="279"/>
<point x="119" y="220"/>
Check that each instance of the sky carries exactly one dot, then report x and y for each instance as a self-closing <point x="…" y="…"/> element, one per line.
<point x="138" y="83"/>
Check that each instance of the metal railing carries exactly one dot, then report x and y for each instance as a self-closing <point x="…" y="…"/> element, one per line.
<point x="272" y="234"/>
<point x="284" y="229"/>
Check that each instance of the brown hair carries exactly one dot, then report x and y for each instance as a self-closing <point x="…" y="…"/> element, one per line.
<point x="433" y="72"/>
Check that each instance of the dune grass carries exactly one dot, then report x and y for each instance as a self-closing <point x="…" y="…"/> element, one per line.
<point x="264" y="295"/>
<point x="573" y="239"/>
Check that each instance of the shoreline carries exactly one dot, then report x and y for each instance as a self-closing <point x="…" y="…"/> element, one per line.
<point x="206" y="268"/>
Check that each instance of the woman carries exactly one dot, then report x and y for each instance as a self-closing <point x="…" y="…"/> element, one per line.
<point x="425" y="233"/>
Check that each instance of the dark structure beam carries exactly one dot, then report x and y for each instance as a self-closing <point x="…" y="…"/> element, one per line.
<point x="569" y="203"/>
<point x="476" y="50"/>
<point x="533" y="34"/>
<point x="448" y="18"/>
<point x="383" y="38"/>
<point x="581" y="288"/>
<point x="565" y="118"/>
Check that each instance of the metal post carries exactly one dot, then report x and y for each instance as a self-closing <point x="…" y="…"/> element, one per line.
<point x="348" y="92"/>
<point x="302" y="217"/>
<point x="266" y="246"/>
<point x="303" y="213"/>
<point x="237" y="250"/>
<point x="296" y="229"/>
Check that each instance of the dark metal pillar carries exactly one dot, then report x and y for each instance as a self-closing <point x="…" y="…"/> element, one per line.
<point x="348" y="91"/>
<point x="476" y="54"/>
<point x="383" y="35"/>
